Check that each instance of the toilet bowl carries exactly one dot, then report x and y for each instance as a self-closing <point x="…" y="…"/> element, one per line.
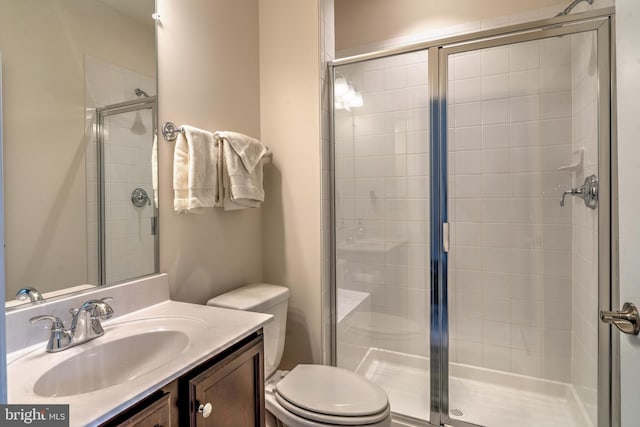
<point x="308" y="395"/>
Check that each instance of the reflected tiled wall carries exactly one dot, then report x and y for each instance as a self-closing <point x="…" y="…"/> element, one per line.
<point x="511" y="260"/>
<point x="127" y="161"/>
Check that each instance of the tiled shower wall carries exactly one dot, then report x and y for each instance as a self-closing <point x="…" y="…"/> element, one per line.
<point x="382" y="204"/>
<point x="127" y="161"/>
<point x="511" y="259"/>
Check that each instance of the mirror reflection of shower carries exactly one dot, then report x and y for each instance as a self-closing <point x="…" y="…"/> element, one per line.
<point x="127" y="235"/>
<point x="573" y="4"/>
<point x="138" y="127"/>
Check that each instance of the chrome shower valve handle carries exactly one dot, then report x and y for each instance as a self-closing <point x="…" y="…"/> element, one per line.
<point x="587" y="192"/>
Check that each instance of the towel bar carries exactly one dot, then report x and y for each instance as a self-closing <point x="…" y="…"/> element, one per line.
<point x="170" y="132"/>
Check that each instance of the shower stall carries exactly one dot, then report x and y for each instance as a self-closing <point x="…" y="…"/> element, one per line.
<point x="460" y="282"/>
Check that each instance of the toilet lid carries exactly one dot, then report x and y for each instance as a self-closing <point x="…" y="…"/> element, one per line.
<point x="319" y="391"/>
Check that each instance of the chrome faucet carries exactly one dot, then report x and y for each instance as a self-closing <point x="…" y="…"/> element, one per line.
<point x="587" y="192"/>
<point x="85" y="325"/>
<point x="32" y="293"/>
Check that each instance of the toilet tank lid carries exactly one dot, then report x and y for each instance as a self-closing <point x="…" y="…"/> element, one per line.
<point x="253" y="297"/>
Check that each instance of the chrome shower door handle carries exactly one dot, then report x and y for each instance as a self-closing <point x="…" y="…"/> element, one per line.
<point x="587" y="192"/>
<point x="627" y="319"/>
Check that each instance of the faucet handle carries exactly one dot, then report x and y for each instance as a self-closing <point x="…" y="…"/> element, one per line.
<point x="98" y="308"/>
<point x="59" y="337"/>
<point x="56" y="323"/>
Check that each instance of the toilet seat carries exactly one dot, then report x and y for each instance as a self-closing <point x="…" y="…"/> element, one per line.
<point x="331" y="395"/>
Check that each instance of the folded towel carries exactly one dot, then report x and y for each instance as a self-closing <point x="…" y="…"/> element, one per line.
<point x="239" y="171"/>
<point x="195" y="179"/>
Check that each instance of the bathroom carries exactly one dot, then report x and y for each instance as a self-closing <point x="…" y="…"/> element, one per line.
<point x="259" y="68"/>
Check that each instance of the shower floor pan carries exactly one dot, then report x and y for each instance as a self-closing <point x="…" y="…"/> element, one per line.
<point x="478" y="395"/>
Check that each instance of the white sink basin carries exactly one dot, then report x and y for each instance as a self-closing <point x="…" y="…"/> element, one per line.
<point x="111" y="363"/>
<point x="126" y="351"/>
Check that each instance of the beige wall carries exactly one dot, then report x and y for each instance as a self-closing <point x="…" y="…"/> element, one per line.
<point x="208" y="57"/>
<point x="43" y="44"/>
<point x="290" y="124"/>
<point x="363" y="22"/>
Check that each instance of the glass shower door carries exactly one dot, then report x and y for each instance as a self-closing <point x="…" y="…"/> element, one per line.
<point x="381" y="126"/>
<point x="526" y="124"/>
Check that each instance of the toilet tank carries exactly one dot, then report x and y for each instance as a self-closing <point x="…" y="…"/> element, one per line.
<point x="262" y="298"/>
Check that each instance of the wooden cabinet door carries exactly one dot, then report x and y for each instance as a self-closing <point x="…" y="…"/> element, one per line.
<point x="158" y="414"/>
<point x="234" y="387"/>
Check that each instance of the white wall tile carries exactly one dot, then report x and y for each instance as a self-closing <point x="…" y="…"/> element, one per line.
<point x="555" y="51"/>
<point x="495" y="61"/>
<point x="523" y="83"/>
<point x="468" y="138"/>
<point x="495" y="136"/>
<point x="555" y="105"/>
<point x="524" y="56"/>
<point x="417" y="74"/>
<point x="525" y="134"/>
<point x="467" y="90"/>
<point x="556" y="78"/>
<point x="496" y="161"/>
<point x="496" y="185"/>
<point x="495" y="86"/>
<point x="524" y="108"/>
<point x="395" y="78"/>
<point x="373" y="81"/>
<point x="495" y="111"/>
<point x="470" y="114"/>
<point x="496" y="210"/>
<point x="468" y="65"/>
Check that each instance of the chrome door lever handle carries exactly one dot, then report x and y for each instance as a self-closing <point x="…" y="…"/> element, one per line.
<point x="627" y="319"/>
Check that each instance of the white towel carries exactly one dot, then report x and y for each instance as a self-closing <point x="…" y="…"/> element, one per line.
<point x="195" y="179"/>
<point x="239" y="171"/>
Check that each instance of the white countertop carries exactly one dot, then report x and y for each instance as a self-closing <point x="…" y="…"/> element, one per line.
<point x="222" y="328"/>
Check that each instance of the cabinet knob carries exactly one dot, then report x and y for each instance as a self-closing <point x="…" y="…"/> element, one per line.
<point x="205" y="409"/>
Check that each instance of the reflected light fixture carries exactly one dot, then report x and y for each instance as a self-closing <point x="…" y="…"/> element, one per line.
<point x="345" y="94"/>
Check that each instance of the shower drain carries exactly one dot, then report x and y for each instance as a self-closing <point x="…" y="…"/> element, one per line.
<point x="456" y="412"/>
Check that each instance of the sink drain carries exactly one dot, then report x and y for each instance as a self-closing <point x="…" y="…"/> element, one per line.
<point x="456" y="412"/>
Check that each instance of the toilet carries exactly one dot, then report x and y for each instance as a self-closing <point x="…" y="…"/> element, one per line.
<point x="308" y="395"/>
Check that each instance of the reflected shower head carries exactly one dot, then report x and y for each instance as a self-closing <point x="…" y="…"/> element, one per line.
<point x="140" y="92"/>
<point x="573" y="4"/>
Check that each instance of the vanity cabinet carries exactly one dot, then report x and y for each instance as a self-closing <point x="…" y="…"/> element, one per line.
<point x="231" y="392"/>
<point x="225" y="391"/>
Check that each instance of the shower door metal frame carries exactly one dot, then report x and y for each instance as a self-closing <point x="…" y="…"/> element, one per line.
<point x="147" y="103"/>
<point x="602" y="21"/>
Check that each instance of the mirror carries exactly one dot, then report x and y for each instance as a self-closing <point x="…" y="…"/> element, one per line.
<point x="79" y="110"/>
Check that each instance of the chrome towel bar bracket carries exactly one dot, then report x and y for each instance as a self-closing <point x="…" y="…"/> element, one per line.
<point x="170" y="131"/>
